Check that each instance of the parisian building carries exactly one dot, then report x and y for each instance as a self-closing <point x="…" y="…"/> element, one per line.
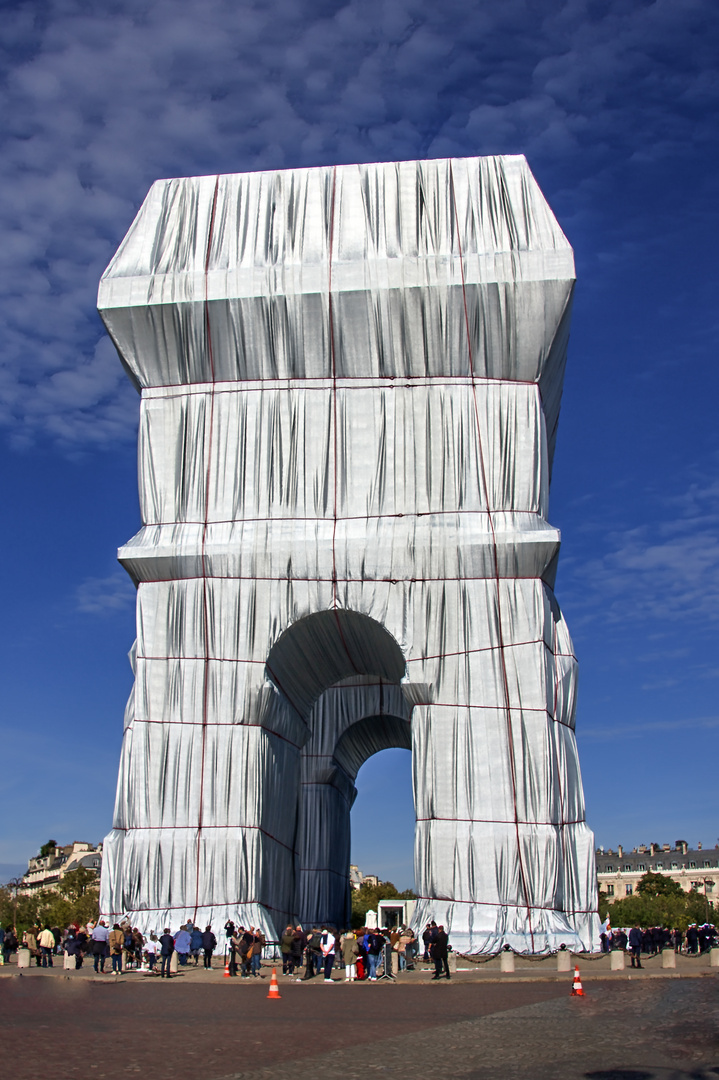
<point x="619" y="871"/>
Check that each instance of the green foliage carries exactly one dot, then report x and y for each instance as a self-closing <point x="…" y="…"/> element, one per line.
<point x="605" y="905"/>
<point x="655" y="885"/>
<point x="48" y="906"/>
<point x="48" y="848"/>
<point x="368" y="896"/>
<point x="76" y="883"/>
<point x="659" y="901"/>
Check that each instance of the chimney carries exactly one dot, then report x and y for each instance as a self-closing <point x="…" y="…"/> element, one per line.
<point x="620" y="850"/>
<point x="699" y="846"/>
<point x="652" y="849"/>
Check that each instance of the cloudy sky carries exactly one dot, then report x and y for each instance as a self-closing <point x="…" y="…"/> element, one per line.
<point x="614" y="103"/>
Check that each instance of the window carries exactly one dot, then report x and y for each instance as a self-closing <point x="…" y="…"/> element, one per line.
<point x="95" y="862"/>
<point x="660" y="866"/>
<point x="675" y="866"/>
<point x="692" y="866"/>
<point x="706" y="864"/>
<point x="641" y="866"/>
<point x="626" y="867"/>
<point x="628" y="889"/>
<point x="610" y="890"/>
<point x="609" y="869"/>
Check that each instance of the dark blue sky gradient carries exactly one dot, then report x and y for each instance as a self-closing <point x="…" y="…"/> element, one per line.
<point x="615" y="106"/>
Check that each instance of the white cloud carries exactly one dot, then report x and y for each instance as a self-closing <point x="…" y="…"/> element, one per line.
<point x="97" y="102"/>
<point x="102" y="596"/>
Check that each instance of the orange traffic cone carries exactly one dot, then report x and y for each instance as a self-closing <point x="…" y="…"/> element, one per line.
<point x="577" y="985"/>
<point x="274" y="986"/>
<point x="227" y="967"/>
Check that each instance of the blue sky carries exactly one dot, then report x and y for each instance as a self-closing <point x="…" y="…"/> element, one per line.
<point x="614" y="105"/>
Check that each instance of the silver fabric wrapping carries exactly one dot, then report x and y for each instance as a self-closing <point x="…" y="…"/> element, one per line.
<point x="351" y="381"/>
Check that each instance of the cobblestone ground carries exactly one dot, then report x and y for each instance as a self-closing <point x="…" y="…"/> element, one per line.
<point x="72" y="1029"/>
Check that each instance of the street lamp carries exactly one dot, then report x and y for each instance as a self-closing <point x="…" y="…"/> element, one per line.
<point x="15" y="884"/>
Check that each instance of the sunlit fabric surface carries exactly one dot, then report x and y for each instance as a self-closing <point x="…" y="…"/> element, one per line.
<point x="351" y="381"/>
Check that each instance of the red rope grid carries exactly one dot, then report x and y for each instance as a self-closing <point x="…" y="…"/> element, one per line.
<point x="205" y="614"/>
<point x="562" y="809"/>
<point x="500" y="630"/>
<point x="216" y="386"/>
<point x="230" y="386"/>
<point x="411" y="660"/>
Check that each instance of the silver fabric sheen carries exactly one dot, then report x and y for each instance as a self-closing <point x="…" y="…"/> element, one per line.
<point x="351" y="381"/>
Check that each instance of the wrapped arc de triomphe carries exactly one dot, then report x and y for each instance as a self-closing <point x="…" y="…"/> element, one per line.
<point x="351" y="381"/>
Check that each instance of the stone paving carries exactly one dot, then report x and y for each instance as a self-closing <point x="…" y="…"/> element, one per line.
<point x="71" y="1026"/>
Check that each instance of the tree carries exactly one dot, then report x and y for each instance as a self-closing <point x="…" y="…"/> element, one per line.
<point x="658" y="901"/>
<point x="48" y="848"/>
<point x="654" y="885"/>
<point x="367" y="898"/>
<point x="75" y="883"/>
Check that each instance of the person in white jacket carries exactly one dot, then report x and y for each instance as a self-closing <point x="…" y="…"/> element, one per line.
<point x="327" y="940"/>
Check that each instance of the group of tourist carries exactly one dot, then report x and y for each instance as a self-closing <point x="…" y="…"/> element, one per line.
<point x="362" y="953"/>
<point x="121" y="942"/>
<point x="652" y="940"/>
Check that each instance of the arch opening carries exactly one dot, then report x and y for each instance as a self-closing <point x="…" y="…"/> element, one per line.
<point x="343" y="673"/>
<point x="383" y="819"/>
<point x="327" y="647"/>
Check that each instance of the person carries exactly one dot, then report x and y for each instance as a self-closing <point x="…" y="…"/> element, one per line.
<point x="100" y="936"/>
<point x="677" y="939"/>
<point x="286" y="944"/>
<point x="426" y="936"/>
<point x="195" y="944"/>
<point x="167" y="948"/>
<point x="116" y="941"/>
<point x="350" y="952"/>
<point x="635" y="944"/>
<point x="209" y="944"/>
<point x="46" y="941"/>
<point x="151" y="947"/>
<point x="81" y="946"/>
<point x="692" y="939"/>
<point x="327" y="944"/>
<point x="298" y="948"/>
<point x="312" y="952"/>
<point x="403" y="945"/>
<point x="10" y="943"/>
<point x="374" y="943"/>
<point x="234" y="944"/>
<point x="247" y="941"/>
<point x="182" y="945"/>
<point x="439" y="954"/>
<point x="229" y="930"/>
<point x="258" y="945"/>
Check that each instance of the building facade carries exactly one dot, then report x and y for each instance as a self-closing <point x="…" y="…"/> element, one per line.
<point x="47" y="871"/>
<point x="619" y="871"/>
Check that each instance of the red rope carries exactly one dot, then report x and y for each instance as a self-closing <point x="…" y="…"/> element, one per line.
<point x="410" y="660"/>
<point x="205" y="614"/>
<point x="500" y="631"/>
<point x="505" y="903"/>
<point x="409" y="381"/>
<point x="334" y="388"/>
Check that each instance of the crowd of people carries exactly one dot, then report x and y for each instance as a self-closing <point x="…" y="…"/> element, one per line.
<point x="122" y="944"/>
<point x="652" y="940"/>
<point x="362" y="953"/>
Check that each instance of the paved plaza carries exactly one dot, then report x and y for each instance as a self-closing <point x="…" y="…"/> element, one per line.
<point x="482" y="1025"/>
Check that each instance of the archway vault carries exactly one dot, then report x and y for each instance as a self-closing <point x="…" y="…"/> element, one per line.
<point x="327" y="647"/>
<point x="343" y="673"/>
